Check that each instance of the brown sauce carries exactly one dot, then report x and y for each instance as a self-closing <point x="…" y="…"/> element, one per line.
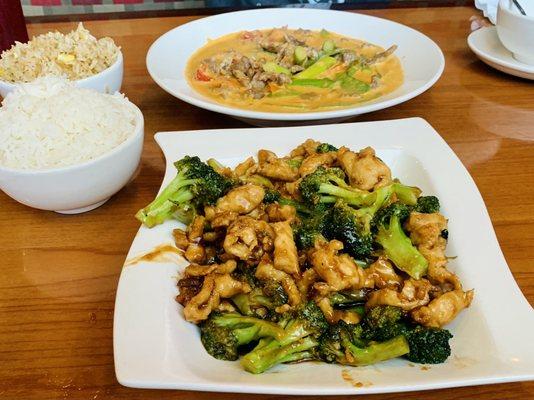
<point x="347" y="377"/>
<point x="161" y="253"/>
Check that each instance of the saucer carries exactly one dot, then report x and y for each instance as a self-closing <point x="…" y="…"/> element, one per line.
<point x="486" y="45"/>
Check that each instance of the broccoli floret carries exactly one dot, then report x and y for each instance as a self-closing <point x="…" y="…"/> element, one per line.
<point x="428" y="345"/>
<point x="384" y="333"/>
<point x="294" y="162"/>
<point x="382" y="323"/>
<point x="275" y="292"/>
<point x="354" y="226"/>
<point x="262" y="300"/>
<point x="246" y="273"/>
<point x="397" y="246"/>
<point x="257" y="180"/>
<point x="312" y="226"/>
<point x="195" y="185"/>
<point x="273" y="196"/>
<point x="216" y="165"/>
<point x="302" y="329"/>
<point x="223" y="333"/>
<point x="374" y="352"/>
<point x="347" y="226"/>
<point x="327" y="185"/>
<point x="185" y="213"/>
<point x="264" y="297"/>
<point x="343" y="344"/>
<point x="330" y="345"/>
<point x="325" y="148"/>
<point x="427" y="204"/>
<point x="406" y="194"/>
<point x="383" y="216"/>
<point x="253" y="303"/>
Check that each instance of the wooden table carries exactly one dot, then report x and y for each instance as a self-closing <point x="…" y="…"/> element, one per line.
<point x="59" y="273"/>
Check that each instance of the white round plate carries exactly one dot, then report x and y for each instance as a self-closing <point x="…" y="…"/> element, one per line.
<point x="421" y="58"/>
<point x="486" y="45"/>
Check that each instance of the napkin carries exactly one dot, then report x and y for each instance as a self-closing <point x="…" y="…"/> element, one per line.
<point x="489" y="8"/>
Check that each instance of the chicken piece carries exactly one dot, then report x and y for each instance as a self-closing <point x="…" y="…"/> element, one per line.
<point x="248" y="239"/>
<point x="221" y="220"/>
<point x="365" y="170"/>
<point x="307" y="148"/>
<point x="443" y="309"/>
<point x="333" y="316"/>
<point x="259" y="213"/>
<point x="188" y="288"/>
<point x="226" y="306"/>
<point x="180" y="238"/>
<point x="214" y="288"/>
<point x="425" y="233"/>
<point x="266" y="271"/>
<point x="246" y="168"/>
<point x="195" y="253"/>
<point x="202" y="270"/>
<point x="310" y="163"/>
<point x="211" y="237"/>
<point x="382" y="274"/>
<point x="241" y="200"/>
<point x="292" y="188"/>
<point x="196" y="228"/>
<point x="308" y="278"/>
<point x="273" y="167"/>
<point x="414" y="293"/>
<point x="280" y="187"/>
<point x="225" y="171"/>
<point x="339" y="271"/>
<point x="285" y="250"/>
<point x="278" y="213"/>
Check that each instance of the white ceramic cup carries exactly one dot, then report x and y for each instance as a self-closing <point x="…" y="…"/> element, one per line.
<point x="80" y="187"/>
<point x="106" y="81"/>
<point x="516" y="31"/>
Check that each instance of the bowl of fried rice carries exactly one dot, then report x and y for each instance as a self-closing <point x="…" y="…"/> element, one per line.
<point x="78" y="56"/>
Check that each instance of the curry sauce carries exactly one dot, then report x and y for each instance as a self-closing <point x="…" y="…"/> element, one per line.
<point x="285" y="70"/>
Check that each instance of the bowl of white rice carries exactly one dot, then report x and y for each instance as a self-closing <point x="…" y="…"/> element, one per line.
<point x="65" y="148"/>
<point x="78" y="56"/>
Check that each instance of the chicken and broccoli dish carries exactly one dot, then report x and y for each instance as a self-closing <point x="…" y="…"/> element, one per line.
<point x="319" y="255"/>
<point x="288" y="70"/>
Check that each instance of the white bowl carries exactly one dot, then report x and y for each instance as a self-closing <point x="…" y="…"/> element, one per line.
<point x="516" y="31"/>
<point x="422" y="60"/>
<point x="81" y="187"/>
<point x="106" y="81"/>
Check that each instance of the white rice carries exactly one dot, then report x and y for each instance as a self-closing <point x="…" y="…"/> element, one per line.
<point x="50" y="123"/>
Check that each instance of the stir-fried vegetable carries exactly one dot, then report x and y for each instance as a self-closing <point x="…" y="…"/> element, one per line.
<point x="319" y="255"/>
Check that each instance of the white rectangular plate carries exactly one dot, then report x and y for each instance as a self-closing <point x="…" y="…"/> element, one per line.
<point x="156" y="348"/>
